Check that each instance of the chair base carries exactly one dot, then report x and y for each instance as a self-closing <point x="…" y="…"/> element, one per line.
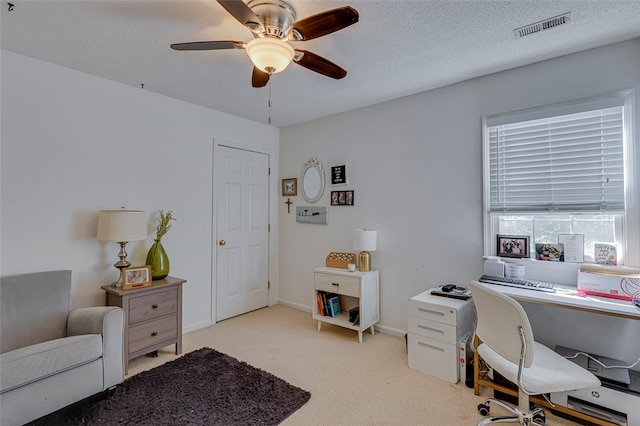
<point x="535" y="416"/>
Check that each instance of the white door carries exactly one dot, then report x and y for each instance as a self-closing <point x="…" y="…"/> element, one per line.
<point x="242" y="212"/>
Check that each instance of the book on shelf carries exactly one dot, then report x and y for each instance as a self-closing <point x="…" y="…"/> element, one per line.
<point x="327" y="306"/>
<point x="334" y="306"/>
<point x="320" y="305"/>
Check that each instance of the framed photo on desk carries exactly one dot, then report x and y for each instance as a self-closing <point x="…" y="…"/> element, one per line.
<point x="516" y="246"/>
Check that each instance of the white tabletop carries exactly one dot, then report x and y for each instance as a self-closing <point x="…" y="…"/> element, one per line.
<point x="569" y="297"/>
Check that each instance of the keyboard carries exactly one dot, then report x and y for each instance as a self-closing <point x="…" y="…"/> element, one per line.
<point x="518" y="283"/>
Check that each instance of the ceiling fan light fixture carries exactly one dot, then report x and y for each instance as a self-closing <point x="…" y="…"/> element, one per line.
<point x="270" y="55"/>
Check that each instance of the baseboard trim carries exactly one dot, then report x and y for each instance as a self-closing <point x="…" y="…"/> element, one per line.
<point x="294" y="305"/>
<point x="198" y="326"/>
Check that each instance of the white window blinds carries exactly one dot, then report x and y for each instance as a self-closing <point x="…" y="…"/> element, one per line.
<point x="565" y="163"/>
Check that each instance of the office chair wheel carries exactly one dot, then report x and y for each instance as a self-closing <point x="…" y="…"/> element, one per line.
<point x="540" y="418"/>
<point x="483" y="409"/>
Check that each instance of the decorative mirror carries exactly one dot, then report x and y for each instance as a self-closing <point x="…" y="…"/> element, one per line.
<point x="312" y="178"/>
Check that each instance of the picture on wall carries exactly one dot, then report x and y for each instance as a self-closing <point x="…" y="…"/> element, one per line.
<point x="516" y="246"/>
<point x="289" y="187"/>
<point x="339" y="175"/>
<point x="342" y="198"/>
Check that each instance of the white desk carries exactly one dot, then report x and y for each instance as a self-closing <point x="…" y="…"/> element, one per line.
<point x="568" y="298"/>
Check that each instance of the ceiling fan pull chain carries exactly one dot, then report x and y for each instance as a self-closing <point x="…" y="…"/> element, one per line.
<point x="269" y="102"/>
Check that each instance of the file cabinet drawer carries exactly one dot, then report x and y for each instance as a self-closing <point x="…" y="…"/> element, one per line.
<point x="337" y="284"/>
<point x="433" y="357"/>
<point x="429" y="311"/>
<point x="434" y="330"/>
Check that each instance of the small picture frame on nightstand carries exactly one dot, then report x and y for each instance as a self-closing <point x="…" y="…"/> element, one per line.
<point x="136" y="277"/>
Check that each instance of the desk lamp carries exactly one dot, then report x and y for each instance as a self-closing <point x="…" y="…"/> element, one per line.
<point x="364" y="240"/>
<point x="121" y="226"/>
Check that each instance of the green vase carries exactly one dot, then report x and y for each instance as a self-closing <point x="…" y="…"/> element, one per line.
<point x="158" y="260"/>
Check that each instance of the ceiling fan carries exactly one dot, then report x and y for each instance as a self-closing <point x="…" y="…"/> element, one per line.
<point x="273" y="24"/>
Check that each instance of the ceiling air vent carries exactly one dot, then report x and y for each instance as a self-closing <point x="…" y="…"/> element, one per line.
<point x="542" y="25"/>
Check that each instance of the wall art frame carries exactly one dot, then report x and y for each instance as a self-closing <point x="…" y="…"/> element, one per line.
<point x="342" y="198"/>
<point x="312" y="214"/>
<point x="289" y="187"/>
<point x="339" y="175"/>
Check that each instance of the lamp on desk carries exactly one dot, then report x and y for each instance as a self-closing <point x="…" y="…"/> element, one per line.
<point x="365" y="240"/>
<point x="121" y="226"/>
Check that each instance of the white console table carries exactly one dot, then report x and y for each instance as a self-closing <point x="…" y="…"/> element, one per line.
<point x="354" y="289"/>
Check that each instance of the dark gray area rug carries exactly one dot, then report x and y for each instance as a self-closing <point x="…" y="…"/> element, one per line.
<point x="204" y="387"/>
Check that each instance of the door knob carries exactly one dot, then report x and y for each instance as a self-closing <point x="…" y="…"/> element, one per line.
<point x="222" y="242"/>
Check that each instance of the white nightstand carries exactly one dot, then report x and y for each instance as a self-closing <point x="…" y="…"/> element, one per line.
<point x="435" y="325"/>
<point x="354" y="289"/>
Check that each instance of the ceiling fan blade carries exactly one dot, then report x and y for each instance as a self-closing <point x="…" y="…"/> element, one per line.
<point x="259" y="78"/>
<point x="319" y="64"/>
<point x="324" y="23"/>
<point x="243" y="13"/>
<point x="209" y="45"/>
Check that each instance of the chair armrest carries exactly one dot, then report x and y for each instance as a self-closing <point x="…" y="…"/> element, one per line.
<point x="109" y="322"/>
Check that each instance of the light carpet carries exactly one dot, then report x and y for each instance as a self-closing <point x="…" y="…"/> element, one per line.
<point x="350" y="383"/>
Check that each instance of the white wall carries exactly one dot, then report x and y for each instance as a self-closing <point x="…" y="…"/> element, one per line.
<point x="73" y="144"/>
<point x="416" y="167"/>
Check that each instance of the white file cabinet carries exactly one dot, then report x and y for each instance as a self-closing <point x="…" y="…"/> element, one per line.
<point x="435" y="325"/>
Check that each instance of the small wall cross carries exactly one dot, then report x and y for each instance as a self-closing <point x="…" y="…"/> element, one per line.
<point x="288" y="203"/>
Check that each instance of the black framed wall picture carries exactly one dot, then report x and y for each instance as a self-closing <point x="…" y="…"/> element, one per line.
<point x="339" y="175"/>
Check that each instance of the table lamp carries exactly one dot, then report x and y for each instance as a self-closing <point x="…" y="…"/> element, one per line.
<point x="364" y="240"/>
<point x="121" y="226"/>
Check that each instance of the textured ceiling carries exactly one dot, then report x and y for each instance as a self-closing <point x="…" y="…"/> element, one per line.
<point x="398" y="48"/>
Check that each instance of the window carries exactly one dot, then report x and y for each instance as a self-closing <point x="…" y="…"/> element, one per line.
<point x="559" y="169"/>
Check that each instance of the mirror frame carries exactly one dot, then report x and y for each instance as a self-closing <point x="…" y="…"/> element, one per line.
<point x="313" y="163"/>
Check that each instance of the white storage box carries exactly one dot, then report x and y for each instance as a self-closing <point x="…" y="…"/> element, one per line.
<point x="617" y="284"/>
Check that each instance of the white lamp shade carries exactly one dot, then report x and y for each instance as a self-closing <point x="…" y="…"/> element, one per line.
<point x="365" y="239"/>
<point x="269" y="54"/>
<point x="121" y="225"/>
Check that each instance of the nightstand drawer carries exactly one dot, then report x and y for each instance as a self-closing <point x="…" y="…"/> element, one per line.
<point x="433" y="312"/>
<point x="337" y="284"/>
<point x="152" y="306"/>
<point x="146" y="335"/>
<point x="431" y="329"/>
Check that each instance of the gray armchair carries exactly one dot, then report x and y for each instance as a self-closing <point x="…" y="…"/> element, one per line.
<point x="51" y="357"/>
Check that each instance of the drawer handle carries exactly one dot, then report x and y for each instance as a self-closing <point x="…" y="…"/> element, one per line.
<point x="435" y="330"/>
<point x="429" y="311"/>
<point x="155" y="333"/>
<point x="155" y="306"/>
<point x="431" y="346"/>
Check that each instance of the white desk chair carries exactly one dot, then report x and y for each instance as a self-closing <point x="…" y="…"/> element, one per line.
<point x="507" y="345"/>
